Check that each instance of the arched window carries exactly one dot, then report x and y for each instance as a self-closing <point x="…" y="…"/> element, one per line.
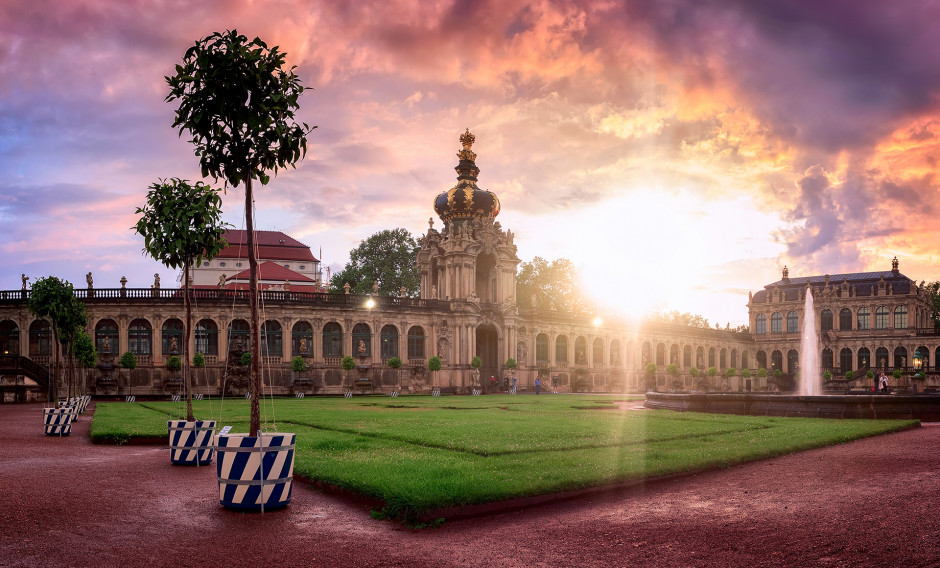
<point x="845" y="319"/>
<point x="936" y="361"/>
<point x="863" y="357"/>
<point x="793" y="361"/>
<point x="776" y="323"/>
<point x="881" y="358"/>
<point x="845" y="359"/>
<point x="761" y="360"/>
<point x="207" y="337"/>
<point x="9" y="338"/>
<point x="776" y="360"/>
<point x="761" y="324"/>
<point x="615" y="355"/>
<point x="734" y="358"/>
<point x="723" y="359"/>
<point x="580" y="351"/>
<point x="301" y="335"/>
<point x="660" y="354"/>
<point x="541" y="349"/>
<point x="674" y="354"/>
<point x="106" y="328"/>
<point x="864" y="318"/>
<point x="881" y="317"/>
<point x="139" y="335"/>
<point x="362" y="340"/>
<point x="793" y="322"/>
<point x="416" y="342"/>
<point x="900" y="357"/>
<point x="900" y="317"/>
<point x="561" y="349"/>
<point x="238" y="332"/>
<point x="826" y="363"/>
<point x="711" y="357"/>
<point x="389" y="342"/>
<point x="172" y="328"/>
<point x="40" y="338"/>
<point x="744" y="360"/>
<point x="825" y="320"/>
<point x="598" y="351"/>
<point x="700" y="357"/>
<point x="272" y="339"/>
<point x="687" y="356"/>
<point x="332" y="340"/>
<point x="921" y="359"/>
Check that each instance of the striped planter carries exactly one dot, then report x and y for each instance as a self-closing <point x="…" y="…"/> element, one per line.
<point x="58" y="421"/>
<point x="255" y="473"/>
<point x="191" y="442"/>
<point x="83" y="403"/>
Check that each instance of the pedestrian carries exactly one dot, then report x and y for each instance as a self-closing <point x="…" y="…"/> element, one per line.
<point x="555" y="384"/>
<point x="506" y="383"/>
<point x="884" y="383"/>
<point x="538" y="385"/>
<point x="513" y="384"/>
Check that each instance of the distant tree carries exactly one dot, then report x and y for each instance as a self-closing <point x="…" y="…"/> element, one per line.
<point x="54" y="299"/>
<point x="849" y="375"/>
<point x="348" y="364"/>
<point x="650" y="372"/>
<point x="746" y="373"/>
<point x="388" y="257"/>
<point x="672" y="370"/>
<point x="551" y="283"/>
<point x="678" y="318"/>
<point x="298" y="365"/>
<point x="933" y="289"/>
<point x="174" y="363"/>
<point x="84" y="350"/>
<point x="511" y="364"/>
<point x="827" y="376"/>
<point x="238" y="102"/>
<point x="730" y="372"/>
<point x="694" y="372"/>
<point x="395" y="363"/>
<point x="762" y="373"/>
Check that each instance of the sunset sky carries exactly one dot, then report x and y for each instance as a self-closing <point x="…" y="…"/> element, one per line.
<point x="680" y="153"/>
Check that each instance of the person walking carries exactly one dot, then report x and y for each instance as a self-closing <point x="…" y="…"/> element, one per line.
<point x="538" y="385"/>
<point x="513" y="391"/>
<point x="555" y="384"/>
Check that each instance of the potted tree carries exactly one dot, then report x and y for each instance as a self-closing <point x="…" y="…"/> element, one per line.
<point x="730" y="372"/>
<point x="395" y="363"/>
<point x="434" y="365"/>
<point x="712" y="372"/>
<point x="672" y="369"/>
<point x="511" y="365"/>
<point x="237" y="102"/>
<point x="650" y="372"/>
<point x="475" y="363"/>
<point x="85" y="353"/>
<point x="348" y="364"/>
<point x="746" y="375"/>
<point x="128" y="361"/>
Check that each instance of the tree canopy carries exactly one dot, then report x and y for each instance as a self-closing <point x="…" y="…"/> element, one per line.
<point x="553" y="284"/>
<point x="934" y="289"/>
<point x="388" y="257"/>
<point x="55" y="299"/>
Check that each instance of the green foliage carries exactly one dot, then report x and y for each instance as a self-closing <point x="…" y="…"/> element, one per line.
<point x="434" y="363"/>
<point x="297" y="364"/>
<point x="712" y="371"/>
<point x="552" y="284"/>
<point x="827" y="376"/>
<point x="511" y="363"/>
<point x="128" y="360"/>
<point x="677" y="318"/>
<point x="238" y="104"/>
<point x="746" y="373"/>
<point x="672" y="369"/>
<point x="778" y="373"/>
<point x="181" y="223"/>
<point x="730" y="372"/>
<point x="693" y="371"/>
<point x="199" y="360"/>
<point x="388" y="257"/>
<point x="870" y="374"/>
<point x="174" y="363"/>
<point x="84" y="350"/>
<point x="849" y="375"/>
<point x="476" y="362"/>
<point x="384" y="449"/>
<point x="897" y="374"/>
<point x="246" y="358"/>
<point x="348" y="363"/>
<point x="54" y="299"/>
<point x="650" y="369"/>
<point x="933" y="289"/>
<point x="394" y="362"/>
<point x="762" y="373"/>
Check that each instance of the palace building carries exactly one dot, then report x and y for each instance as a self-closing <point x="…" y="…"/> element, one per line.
<point x="467" y="306"/>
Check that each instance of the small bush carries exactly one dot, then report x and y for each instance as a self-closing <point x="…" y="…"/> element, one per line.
<point x="896" y="374"/>
<point x="849" y="375"/>
<point x="128" y="360"/>
<point x="434" y="363"/>
<point x="199" y="360"/>
<point x="246" y="358"/>
<point x="174" y="363"/>
<point x="394" y="362"/>
<point x="348" y="363"/>
<point x="511" y="363"/>
<point x="746" y="373"/>
<point x="298" y="364"/>
<point x="476" y="362"/>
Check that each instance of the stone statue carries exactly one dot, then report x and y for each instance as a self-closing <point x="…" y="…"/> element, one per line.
<point x="174" y="346"/>
<point x="521" y="352"/>
<point x="303" y="345"/>
<point x="222" y="281"/>
<point x="25" y="279"/>
<point x="123" y="282"/>
<point x="156" y="280"/>
<point x="287" y="285"/>
<point x="375" y="287"/>
<point x="580" y="358"/>
<point x="239" y="344"/>
<point x="346" y="287"/>
<point x="402" y="292"/>
<point x="106" y="345"/>
<point x="89" y="279"/>
<point x="361" y="350"/>
<point x="434" y="291"/>
<point x="430" y="222"/>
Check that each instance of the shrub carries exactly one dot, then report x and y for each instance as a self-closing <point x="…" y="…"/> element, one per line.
<point x="730" y="372"/>
<point x="174" y="363"/>
<point x="348" y="363"/>
<point x="762" y="373"/>
<point x="298" y="364"/>
<point x="511" y="363"/>
<point x="694" y="371"/>
<point x="651" y="369"/>
<point x="246" y="358"/>
<point x="476" y="362"/>
<point x="827" y="376"/>
<point x="672" y="369"/>
<point x="128" y="360"/>
<point x="712" y="371"/>
<point x="394" y="362"/>
<point x="746" y="373"/>
<point x="896" y="374"/>
<point x="199" y="360"/>
<point x="778" y="373"/>
<point x="434" y="363"/>
<point x="870" y="374"/>
<point x="849" y="375"/>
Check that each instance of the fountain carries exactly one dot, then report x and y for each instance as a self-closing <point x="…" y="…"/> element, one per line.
<point x="810" y="380"/>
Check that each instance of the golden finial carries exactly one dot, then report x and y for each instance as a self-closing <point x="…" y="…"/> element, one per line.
<point x="467" y="139"/>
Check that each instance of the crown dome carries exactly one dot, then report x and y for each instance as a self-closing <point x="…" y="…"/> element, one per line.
<point x="465" y="200"/>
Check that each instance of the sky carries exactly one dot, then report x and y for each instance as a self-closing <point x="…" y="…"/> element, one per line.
<point x="679" y="152"/>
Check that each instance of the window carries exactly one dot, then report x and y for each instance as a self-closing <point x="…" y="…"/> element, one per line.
<point x="776" y="323"/>
<point x="881" y="358"/>
<point x="172" y="337"/>
<point x="302" y="267"/>
<point x="541" y="348"/>
<point x="864" y="358"/>
<point x="826" y="320"/>
<point x="900" y="357"/>
<point x="711" y="357"/>
<point x="827" y="358"/>
<point x="416" y="342"/>
<point x="107" y="329"/>
<point x="362" y="340"/>
<point x="615" y="353"/>
<point x="674" y="354"/>
<point x="561" y="349"/>
<point x="272" y="339"/>
<point x="734" y="358"/>
<point x="580" y="351"/>
<point x="845" y="359"/>
<point x="207" y="337"/>
<point x="286" y="266"/>
<point x="238" y="332"/>
<point x="776" y="360"/>
<point x="687" y="356"/>
<point x="900" y="317"/>
<point x="881" y="317"/>
<point x="9" y="338"/>
<point x="723" y="359"/>
<point x="222" y="264"/>
<point x="793" y="361"/>
<point x="40" y="338"/>
<point x="845" y="319"/>
<point x="301" y="339"/>
<point x="389" y="339"/>
<point x="598" y="349"/>
<point x="332" y="340"/>
<point x="744" y="360"/>
<point x="660" y="354"/>
<point x="864" y="318"/>
<point x="793" y="322"/>
<point x="761" y="360"/>
<point x="138" y="337"/>
<point x="761" y="324"/>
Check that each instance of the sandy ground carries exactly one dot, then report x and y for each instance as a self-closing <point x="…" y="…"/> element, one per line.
<point x="872" y="503"/>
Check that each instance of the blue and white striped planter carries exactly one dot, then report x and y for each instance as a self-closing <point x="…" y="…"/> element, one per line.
<point x="191" y="442"/>
<point x="255" y="473"/>
<point x="58" y="421"/>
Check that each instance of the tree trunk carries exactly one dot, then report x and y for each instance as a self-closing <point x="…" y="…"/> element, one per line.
<point x="254" y="376"/>
<point x="53" y="382"/>
<point x="186" y="359"/>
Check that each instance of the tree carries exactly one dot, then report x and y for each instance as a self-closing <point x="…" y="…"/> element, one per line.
<point x="182" y="225"/>
<point x="128" y="361"/>
<point x="730" y="372"/>
<point x="746" y="373"/>
<point x="650" y="372"/>
<point x="388" y="257"/>
<point x="511" y="364"/>
<point x="395" y="363"/>
<point x="84" y="350"/>
<point x="551" y="283"/>
<point x="434" y="365"/>
<point x="348" y="364"/>
<point x="238" y="104"/>
<point x="677" y="318"/>
<point x="54" y="299"/>
<point x="933" y="289"/>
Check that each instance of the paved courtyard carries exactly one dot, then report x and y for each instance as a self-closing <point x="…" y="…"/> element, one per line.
<point x="67" y="502"/>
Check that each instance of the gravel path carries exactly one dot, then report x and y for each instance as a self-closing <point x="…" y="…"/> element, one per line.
<point x="871" y="503"/>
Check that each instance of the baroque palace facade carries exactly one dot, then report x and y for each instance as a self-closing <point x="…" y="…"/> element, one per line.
<point x="467" y="306"/>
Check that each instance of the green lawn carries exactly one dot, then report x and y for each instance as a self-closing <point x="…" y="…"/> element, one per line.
<point x="419" y="453"/>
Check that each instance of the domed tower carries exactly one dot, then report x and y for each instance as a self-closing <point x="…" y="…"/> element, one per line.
<point x="471" y="258"/>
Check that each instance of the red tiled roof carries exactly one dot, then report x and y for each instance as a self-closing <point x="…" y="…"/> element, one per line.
<point x="271" y="245"/>
<point x="272" y="271"/>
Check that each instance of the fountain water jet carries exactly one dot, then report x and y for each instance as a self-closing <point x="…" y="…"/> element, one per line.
<point x="810" y="379"/>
